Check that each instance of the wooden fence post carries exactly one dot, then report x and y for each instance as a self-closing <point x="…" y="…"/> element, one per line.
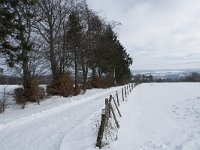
<point x="117" y="98"/>
<point x="104" y="122"/>
<point x="116" y="122"/>
<point x="101" y="129"/>
<point x="122" y="94"/>
<point x="125" y="92"/>
<point x="107" y="111"/>
<point x="117" y="107"/>
<point x="110" y="99"/>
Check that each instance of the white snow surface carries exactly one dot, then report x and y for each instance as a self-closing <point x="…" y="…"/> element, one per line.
<point x="155" y="116"/>
<point x="43" y="127"/>
<point x="160" y="116"/>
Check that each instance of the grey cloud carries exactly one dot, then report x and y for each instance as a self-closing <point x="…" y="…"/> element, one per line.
<point x="157" y="33"/>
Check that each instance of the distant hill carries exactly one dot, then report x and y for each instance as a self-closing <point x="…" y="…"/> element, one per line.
<point x="166" y="73"/>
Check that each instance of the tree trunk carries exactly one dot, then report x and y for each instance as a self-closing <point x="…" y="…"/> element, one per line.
<point x="76" y="72"/>
<point x="25" y="69"/>
<point x="93" y="72"/>
<point x="63" y="52"/>
<point x="85" y="73"/>
<point x="53" y="57"/>
<point x="99" y="72"/>
<point x="26" y="78"/>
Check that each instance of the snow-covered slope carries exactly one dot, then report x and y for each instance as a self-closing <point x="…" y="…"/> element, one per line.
<point x="155" y="116"/>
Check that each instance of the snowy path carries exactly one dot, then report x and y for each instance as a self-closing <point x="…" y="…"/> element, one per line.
<point x="43" y="127"/>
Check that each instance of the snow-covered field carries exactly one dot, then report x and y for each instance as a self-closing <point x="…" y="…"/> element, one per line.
<point x="155" y="116"/>
<point x="162" y="116"/>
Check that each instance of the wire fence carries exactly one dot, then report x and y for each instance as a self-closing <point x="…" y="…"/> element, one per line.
<point x="111" y="111"/>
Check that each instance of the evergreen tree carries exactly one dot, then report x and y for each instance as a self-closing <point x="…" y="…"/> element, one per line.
<point x="6" y="16"/>
<point x="74" y="35"/>
<point x="113" y="57"/>
<point x="17" y="42"/>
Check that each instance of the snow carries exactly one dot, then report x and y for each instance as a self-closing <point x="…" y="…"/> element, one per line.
<point x="6" y="95"/>
<point x="44" y="126"/>
<point x="155" y="116"/>
<point x="161" y="117"/>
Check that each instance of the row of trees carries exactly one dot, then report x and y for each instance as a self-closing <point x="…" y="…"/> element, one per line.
<point x="60" y="36"/>
<point x="191" y="77"/>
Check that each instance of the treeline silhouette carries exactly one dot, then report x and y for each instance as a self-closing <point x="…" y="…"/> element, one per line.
<point x="142" y="78"/>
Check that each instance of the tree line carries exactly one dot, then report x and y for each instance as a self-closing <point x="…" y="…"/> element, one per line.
<point x="191" y="77"/>
<point x="64" y="38"/>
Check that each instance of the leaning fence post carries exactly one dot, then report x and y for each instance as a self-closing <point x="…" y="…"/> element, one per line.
<point x="117" y="98"/>
<point x="117" y="107"/>
<point x="116" y="122"/>
<point x="101" y="129"/>
<point x="104" y="122"/>
<point x="110" y="106"/>
<point x="107" y="107"/>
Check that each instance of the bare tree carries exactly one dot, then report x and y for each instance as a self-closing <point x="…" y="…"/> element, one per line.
<point x="38" y="64"/>
<point x="51" y="15"/>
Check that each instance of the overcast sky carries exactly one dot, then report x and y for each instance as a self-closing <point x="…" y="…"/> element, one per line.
<point x="159" y="34"/>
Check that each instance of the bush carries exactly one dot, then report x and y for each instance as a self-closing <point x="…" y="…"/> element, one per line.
<point x="77" y="90"/>
<point x="42" y="93"/>
<point x="19" y="95"/>
<point x="35" y="93"/>
<point x="89" y="85"/>
<point x="63" y="86"/>
<point x="98" y="82"/>
<point x="1" y="107"/>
